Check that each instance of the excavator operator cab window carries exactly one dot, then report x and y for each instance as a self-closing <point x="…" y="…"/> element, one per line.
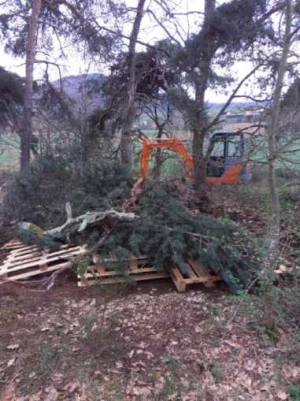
<point x="218" y="149"/>
<point x="224" y="150"/>
<point x="234" y="146"/>
<point x="216" y="162"/>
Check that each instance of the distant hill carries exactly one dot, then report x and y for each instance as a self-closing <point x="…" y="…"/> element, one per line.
<point x="85" y="90"/>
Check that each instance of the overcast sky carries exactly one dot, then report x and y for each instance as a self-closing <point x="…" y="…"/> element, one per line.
<point x="150" y="33"/>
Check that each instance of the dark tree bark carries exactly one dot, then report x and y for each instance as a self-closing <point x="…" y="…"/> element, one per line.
<point x="129" y="111"/>
<point x="206" y="55"/>
<point x="272" y="132"/>
<point x="30" y="57"/>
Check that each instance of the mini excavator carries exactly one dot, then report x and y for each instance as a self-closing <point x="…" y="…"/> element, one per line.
<point x="226" y="161"/>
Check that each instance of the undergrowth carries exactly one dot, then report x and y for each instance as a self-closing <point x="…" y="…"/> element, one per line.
<point x="166" y="230"/>
<point x="40" y="195"/>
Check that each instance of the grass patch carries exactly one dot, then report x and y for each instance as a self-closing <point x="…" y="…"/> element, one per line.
<point x="9" y="151"/>
<point x="47" y="358"/>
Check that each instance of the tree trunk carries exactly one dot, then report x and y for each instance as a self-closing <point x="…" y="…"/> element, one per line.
<point x="198" y="157"/>
<point x="274" y="226"/>
<point x="129" y="112"/>
<point x="201" y="83"/>
<point x="30" y="58"/>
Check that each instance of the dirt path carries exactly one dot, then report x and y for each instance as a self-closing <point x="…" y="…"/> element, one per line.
<point x="146" y="343"/>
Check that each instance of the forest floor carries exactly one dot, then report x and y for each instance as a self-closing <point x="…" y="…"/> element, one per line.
<point x="146" y="342"/>
<point x="143" y="343"/>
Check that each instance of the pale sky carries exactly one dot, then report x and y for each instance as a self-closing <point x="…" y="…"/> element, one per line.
<point x="150" y="33"/>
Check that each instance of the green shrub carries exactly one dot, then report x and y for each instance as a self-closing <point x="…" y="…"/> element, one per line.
<point x="40" y="195"/>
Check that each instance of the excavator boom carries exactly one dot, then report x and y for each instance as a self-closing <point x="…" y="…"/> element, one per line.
<point x="173" y="144"/>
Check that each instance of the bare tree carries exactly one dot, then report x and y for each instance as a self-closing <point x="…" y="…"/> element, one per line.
<point x="272" y="132"/>
<point x="201" y="84"/>
<point x="129" y="111"/>
<point x="30" y="57"/>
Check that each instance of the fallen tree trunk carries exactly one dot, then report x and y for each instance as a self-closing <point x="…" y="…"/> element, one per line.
<point x="90" y="219"/>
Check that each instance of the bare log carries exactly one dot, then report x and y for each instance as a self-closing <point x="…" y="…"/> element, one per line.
<point x="87" y="220"/>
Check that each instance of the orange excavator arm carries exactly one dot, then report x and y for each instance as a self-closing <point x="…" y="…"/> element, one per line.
<point x="168" y="143"/>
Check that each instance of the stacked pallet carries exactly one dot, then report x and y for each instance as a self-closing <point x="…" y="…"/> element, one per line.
<point x="24" y="262"/>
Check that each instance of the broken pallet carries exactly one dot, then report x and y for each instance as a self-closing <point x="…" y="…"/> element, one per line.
<point x="24" y="262"/>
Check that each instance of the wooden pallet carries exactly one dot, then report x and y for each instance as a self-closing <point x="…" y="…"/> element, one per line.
<point x="24" y="262"/>
<point x="197" y="274"/>
<point x="136" y="269"/>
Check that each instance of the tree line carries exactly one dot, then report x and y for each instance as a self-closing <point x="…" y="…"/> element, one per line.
<point x="173" y="73"/>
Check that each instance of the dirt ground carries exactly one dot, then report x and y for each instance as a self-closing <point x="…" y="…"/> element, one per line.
<point x="142" y="343"/>
<point x="146" y="342"/>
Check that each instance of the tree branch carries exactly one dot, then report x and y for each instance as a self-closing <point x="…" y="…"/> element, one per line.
<point x="229" y="100"/>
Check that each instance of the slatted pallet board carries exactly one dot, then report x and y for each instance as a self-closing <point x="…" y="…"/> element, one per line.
<point x="24" y="262"/>
<point x="13" y="244"/>
<point x="197" y="274"/>
<point x="136" y="269"/>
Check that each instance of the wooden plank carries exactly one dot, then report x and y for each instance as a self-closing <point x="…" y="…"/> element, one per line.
<point x="32" y="257"/>
<point x="133" y="264"/>
<point x="178" y="279"/>
<point x="116" y="280"/>
<point x="116" y="260"/>
<point x="13" y="244"/>
<point x="14" y="248"/>
<point x="11" y="263"/>
<point x="49" y="259"/>
<point x="111" y="273"/>
<point x="24" y="251"/>
<point x="198" y="268"/>
<point x="64" y="253"/>
<point x="45" y="251"/>
<point x="191" y="272"/>
<point x="26" y="256"/>
<point x="137" y="277"/>
<point x="201" y="280"/>
<point x="14" y="262"/>
<point x="210" y="279"/>
<point x="24" y="276"/>
<point x="35" y="251"/>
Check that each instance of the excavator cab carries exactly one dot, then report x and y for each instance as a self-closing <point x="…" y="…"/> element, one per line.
<point x="226" y="158"/>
